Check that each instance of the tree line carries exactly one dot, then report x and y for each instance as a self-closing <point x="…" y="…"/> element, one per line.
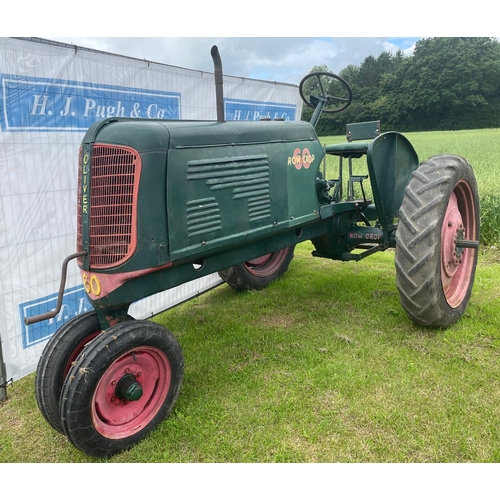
<point x="446" y="84"/>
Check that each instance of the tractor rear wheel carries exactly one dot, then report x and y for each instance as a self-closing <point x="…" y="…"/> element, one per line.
<point x="124" y="386"/>
<point x="56" y="360"/>
<point x="257" y="273"/>
<point x="437" y="240"/>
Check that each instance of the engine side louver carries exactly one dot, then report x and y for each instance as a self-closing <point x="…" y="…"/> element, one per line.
<point x="246" y="177"/>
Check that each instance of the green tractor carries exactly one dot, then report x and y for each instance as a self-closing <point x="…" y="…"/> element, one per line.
<point x="161" y="203"/>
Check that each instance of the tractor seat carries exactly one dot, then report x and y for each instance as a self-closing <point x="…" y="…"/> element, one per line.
<point x="355" y="147"/>
<point x="348" y="149"/>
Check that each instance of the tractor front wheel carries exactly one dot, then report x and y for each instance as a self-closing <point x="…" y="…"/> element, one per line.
<point x="257" y="273"/>
<point x="56" y="360"/>
<point x="437" y="240"/>
<point x="124" y="386"/>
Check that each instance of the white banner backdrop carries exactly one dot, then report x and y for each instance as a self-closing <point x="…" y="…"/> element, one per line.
<point x="50" y="94"/>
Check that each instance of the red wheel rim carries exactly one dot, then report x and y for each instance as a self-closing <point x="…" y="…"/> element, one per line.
<point x="115" y="418"/>
<point x="78" y="349"/>
<point x="267" y="264"/>
<point x="457" y="263"/>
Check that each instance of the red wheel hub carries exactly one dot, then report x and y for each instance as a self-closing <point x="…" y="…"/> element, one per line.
<point x="259" y="261"/>
<point x="456" y="263"/>
<point x="77" y="351"/>
<point x="267" y="264"/>
<point x="131" y="392"/>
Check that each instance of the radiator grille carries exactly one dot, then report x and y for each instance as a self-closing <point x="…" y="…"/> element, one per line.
<point x="114" y="184"/>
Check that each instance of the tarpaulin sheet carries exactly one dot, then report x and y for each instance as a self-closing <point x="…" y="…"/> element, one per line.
<point x="50" y="94"/>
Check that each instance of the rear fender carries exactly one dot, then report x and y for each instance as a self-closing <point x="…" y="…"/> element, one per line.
<point x="391" y="162"/>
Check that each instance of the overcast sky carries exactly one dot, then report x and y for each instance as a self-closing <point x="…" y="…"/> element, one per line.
<point x="275" y="59"/>
<point x="242" y="30"/>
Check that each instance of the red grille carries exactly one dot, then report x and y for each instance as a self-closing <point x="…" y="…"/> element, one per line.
<point x="114" y="184"/>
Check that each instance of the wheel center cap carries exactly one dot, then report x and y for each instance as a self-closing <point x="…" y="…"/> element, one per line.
<point x="128" y="389"/>
<point x="460" y="236"/>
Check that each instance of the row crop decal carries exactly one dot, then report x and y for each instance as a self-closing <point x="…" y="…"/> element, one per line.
<point x="365" y="236"/>
<point x="245" y="110"/>
<point x="41" y="104"/>
<point x="301" y="158"/>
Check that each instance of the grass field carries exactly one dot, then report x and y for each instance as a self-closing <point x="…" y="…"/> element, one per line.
<point x="321" y="366"/>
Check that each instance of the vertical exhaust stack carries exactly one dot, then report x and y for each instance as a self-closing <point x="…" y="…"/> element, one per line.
<point x="219" y="84"/>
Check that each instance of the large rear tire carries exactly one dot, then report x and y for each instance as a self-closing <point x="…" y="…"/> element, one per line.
<point x="121" y="387"/>
<point x="434" y="275"/>
<point x="258" y="273"/>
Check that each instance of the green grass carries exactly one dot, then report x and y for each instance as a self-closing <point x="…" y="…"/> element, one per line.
<point x="321" y="366"/>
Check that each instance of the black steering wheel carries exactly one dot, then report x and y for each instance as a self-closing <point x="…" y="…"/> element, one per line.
<point x="328" y="86"/>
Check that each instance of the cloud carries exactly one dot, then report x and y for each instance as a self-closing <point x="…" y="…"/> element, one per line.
<point x="282" y="59"/>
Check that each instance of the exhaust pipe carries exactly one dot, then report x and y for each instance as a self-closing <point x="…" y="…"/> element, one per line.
<point x="219" y="84"/>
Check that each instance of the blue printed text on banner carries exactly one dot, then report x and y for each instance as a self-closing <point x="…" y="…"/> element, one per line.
<point x="244" y="110"/>
<point x="74" y="303"/>
<point x="34" y="104"/>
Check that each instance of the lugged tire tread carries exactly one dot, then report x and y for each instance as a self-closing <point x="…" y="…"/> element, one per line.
<point x="47" y="386"/>
<point x="418" y="240"/>
<point x="81" y="382"/>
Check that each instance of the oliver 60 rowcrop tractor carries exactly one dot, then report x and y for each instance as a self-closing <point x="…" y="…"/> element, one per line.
<point x="161" y="203"/>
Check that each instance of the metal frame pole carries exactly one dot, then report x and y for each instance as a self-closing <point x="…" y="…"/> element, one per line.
<point x="3" y="376"/>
